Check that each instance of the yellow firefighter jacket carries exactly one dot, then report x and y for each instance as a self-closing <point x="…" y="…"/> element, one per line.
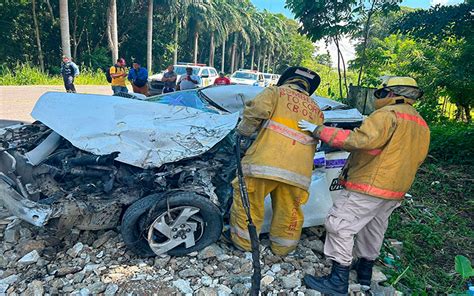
<point x="281" y="151"/>
<point x="386" y="150"/>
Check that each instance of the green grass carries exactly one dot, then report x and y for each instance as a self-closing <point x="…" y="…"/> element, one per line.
<point x="27" y="75"/>
<point x="437" y="223"/>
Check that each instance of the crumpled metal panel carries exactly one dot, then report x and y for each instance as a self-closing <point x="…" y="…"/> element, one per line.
<point x="146" y="134"/>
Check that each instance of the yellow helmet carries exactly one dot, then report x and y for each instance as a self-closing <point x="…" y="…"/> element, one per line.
<point x="402" y="86"/>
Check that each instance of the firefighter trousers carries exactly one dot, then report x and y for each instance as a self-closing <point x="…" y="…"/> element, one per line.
<point x="357" y="221"/>
<point x="287" y="220"/>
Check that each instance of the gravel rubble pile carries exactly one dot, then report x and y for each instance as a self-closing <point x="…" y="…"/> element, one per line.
<point x="35" y="261"/>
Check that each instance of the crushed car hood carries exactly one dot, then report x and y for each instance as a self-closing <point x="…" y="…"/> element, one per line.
<point x="233" y="97"/>
<point x="146" y="134"/>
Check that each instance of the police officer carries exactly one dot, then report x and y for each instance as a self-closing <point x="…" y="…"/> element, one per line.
<point x="386" y="151"/>
<point x="280" y="160"/>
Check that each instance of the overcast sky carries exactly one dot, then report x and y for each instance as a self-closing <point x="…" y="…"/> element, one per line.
<point x="347" y="48"/>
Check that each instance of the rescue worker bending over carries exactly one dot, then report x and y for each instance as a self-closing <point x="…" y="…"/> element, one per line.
<point x="280" y="160"/>
<point x="386" y="151"/>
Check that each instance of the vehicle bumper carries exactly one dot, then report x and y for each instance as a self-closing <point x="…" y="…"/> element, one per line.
<point x="23" y="208"/>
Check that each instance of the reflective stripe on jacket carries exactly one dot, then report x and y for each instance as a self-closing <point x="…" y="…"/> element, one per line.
<point x="281" y="152"/>
<point x="386" y="151"/>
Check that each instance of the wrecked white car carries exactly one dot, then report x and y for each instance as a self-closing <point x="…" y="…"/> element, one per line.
<point x="161" y="169"/>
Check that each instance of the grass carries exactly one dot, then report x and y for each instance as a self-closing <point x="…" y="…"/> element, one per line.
<point x="27" y="75"/>
<point x="437" y="223"/>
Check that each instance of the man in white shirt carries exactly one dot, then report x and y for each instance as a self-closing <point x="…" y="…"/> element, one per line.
<point x="189" y="81"/>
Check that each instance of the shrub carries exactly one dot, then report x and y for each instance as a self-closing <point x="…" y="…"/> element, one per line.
<point x="453" y="142"/>
<point x="24" y="74"/>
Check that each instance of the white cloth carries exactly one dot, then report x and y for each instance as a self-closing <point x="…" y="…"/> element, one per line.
<point x="184" y="83"/>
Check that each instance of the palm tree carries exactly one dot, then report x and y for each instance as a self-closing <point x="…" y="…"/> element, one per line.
<point x="37" y="33"/>
<point x="227" y="14"/>
<point x="177" y="14"/>
<point x="200" y="14"/>
<point x="64" y="25"/>
<point x="112" y="29"/>
<point x="149" y="47"/>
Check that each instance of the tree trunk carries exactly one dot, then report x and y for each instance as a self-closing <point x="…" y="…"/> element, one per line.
<point x="50" y="8"/>
<point x="112" y="29"/>
<point x="242" y="57"/>
<point x="223" y="55"/>
<point x="344" y="73"/>
<point x="211" y="51"/>
<point x="37" y="33"/>
<point x="176" y="35"/>
<point x="259" y="58"/>
<point x="196" y="38"/>
<point x="149" y="47"/>
<point x="339" y="67"/>
<point x="253" y="57"/>
<point x="269" y="60"/>
<point x="64" y="24"/>
<point x="366" y="38"/>
<point x="234" y="49"/>
<point x="264" y="59"/>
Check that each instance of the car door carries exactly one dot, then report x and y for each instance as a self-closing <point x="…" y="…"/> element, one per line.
<point x="205" y="77"/>
<point x="213" y="76"/>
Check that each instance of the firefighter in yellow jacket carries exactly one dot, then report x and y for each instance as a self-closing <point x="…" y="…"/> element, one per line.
<point x="280" y="160"/>
<point x="386" y="151"/>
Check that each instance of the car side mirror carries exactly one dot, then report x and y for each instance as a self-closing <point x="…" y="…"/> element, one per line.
<point x="205" y="76"/>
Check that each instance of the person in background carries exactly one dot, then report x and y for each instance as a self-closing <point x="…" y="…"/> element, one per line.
<point x="386" y="151"/>
<point x="189" y="81"/>
<point x="169" y="79"/>
<point x="118" y="72"/>
<point x="69" y="71"/>
<point x="222" y="80"/>
<point x="138" y="77"/>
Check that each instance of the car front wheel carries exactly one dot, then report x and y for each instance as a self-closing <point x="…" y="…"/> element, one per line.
<point x="175" y="223"/>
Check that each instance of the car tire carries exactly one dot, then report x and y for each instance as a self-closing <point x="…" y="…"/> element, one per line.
<point x="132" y="235"/>
<point x="139" y="217"/>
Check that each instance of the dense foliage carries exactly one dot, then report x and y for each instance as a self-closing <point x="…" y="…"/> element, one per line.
<point x="435" y="46"/>
<point x="270" y="40"/>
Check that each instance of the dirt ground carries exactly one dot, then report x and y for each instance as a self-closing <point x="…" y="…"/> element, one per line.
<point x="16" y="102"/>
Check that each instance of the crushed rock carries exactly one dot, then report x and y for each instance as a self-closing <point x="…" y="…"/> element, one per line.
<point x="92" y="263"/>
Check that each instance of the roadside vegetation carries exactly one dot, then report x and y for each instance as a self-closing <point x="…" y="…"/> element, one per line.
<point x="28" y="75"/>
<point x="437" y="223"/>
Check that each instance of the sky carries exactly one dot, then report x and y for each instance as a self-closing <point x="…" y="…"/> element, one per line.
<point x="347" y="47"/>
<point x="278" y="6"/>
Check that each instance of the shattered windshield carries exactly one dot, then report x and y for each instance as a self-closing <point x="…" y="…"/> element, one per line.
<point x="189" y="98"/>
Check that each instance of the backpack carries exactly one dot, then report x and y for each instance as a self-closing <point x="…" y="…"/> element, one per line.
<point x="108" y="76"/>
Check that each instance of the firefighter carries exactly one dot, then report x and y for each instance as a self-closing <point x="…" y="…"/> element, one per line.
<point x="280" y="160"/>
<point x="386" y="151"/>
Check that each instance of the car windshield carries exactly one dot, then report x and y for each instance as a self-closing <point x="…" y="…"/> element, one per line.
<point x="267" y="76"/>
<point x="180" y="70"/>
<point x="188" y="98"/>
<point x="245" y="75"/>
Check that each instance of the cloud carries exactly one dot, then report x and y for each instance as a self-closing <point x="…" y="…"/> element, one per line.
<point x="436" y="2"/>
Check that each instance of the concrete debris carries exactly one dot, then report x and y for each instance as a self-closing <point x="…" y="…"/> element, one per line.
<point x="30" y="258"/>
<point x="183" y="286"/>
<point x="98" y="263"/>
<point x="74" y="251"/>
<point x="377" y="275"/>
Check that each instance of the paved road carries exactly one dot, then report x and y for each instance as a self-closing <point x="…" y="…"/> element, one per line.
<point x="16" y="102"/>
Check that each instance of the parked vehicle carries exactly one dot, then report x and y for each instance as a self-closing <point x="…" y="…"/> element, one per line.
<point x="208" y="76"/>
<point x="270" y="79"/>
<point x="161" y="168"/>
<point x="247" y="77"/>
